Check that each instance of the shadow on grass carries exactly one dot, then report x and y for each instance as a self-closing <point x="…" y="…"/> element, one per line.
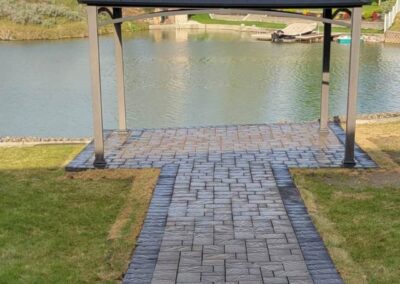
<point x="389" y="145"/>
<point x="58" y="227"/>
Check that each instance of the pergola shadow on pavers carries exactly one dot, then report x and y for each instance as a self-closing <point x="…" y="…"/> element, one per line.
<point x="225" y="208"/>
<point x="268" y="7"/>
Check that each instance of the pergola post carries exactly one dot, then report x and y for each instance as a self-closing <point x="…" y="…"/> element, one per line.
<point x="326" y="58"/>
<point x="349" y="160"/>
<point x="99" y="161"/>
<point x="119" y="66"/>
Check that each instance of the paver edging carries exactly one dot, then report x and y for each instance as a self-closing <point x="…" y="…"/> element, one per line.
<point x="316" y="256"/>
<point x="145" y="255"/>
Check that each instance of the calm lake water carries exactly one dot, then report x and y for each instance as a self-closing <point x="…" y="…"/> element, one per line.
<point x="185" y="79"/>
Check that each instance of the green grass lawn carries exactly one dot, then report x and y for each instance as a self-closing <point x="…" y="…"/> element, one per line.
<point x="396" y="24"/>
<point x="357" y="211"/>
<point x="206" y="19"/>
<point x="67" y="228"/>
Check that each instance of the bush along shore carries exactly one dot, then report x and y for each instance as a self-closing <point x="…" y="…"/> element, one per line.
<point x="49" y="19"/>
<point x="25" y="20"/>
<point x="13" y="32"/>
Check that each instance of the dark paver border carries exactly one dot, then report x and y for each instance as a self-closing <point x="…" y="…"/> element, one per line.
<point x="316" y="256"/>
<point x="143" y="263"/>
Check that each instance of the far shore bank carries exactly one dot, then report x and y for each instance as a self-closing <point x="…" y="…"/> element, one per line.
<point x="191" y="25"/>
<point x="66" y="32"/>
<point x="17" y="32"/>
<point x="17" y="141"/>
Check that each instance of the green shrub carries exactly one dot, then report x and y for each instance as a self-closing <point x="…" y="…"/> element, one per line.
<point x="387" y="5"/>
<point x="39" y="13"/>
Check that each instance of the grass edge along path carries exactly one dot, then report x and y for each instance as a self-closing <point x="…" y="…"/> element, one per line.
<point x="356" y="211"/>
<point x="67" y="227"/>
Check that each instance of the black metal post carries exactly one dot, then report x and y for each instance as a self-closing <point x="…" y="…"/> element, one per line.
<point x="326" y="58"/>
<point x="119" y="66"/>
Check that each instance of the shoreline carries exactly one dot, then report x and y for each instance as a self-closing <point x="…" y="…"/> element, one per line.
<point x="11" y="32"/>
<point x="18" y="141"/>
<point x="367" y="37"/>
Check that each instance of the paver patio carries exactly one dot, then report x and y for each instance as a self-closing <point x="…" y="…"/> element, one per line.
<point x="225" y="209"/>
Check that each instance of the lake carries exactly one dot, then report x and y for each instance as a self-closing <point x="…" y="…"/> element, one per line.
<point x="185" y="78"/>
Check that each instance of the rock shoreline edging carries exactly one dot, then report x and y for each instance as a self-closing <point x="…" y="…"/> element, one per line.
<point x="34" y="140"/>
<point x="9" y="141"/>
<point x="372" y="117"/>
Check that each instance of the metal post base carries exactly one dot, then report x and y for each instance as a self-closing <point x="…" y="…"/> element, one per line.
<point x="122" y="131"/>
<point x="323" y="129"/>
<point x="349" y="164"/>
<point x="100" y="163"/>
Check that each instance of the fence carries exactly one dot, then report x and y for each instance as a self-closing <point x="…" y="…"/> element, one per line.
<point x="391" y="16"/>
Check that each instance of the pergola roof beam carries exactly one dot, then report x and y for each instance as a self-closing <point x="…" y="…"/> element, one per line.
<point x="243" y="4"/>
<point x="224" y="12"/>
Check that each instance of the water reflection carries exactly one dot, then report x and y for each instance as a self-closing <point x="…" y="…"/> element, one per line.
<point x="185" y="78"/>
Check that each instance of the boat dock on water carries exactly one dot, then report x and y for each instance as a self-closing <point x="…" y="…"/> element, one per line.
<point x="310" y="38"/>
<point x="298" y="32"/>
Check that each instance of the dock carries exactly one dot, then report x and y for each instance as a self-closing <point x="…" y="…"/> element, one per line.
<point x="309" y="38"/>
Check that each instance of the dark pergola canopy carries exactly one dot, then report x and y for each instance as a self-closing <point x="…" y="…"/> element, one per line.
<point x="242" y="4"/>
<point x="268" y="7"/>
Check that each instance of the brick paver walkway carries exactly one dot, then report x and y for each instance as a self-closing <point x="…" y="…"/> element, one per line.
<point x="225" y="209"/>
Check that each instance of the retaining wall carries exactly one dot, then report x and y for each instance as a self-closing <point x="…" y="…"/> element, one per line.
<point x="392" y="37"/>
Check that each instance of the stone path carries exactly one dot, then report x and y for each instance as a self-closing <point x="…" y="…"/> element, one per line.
<point x="225" y="209"/>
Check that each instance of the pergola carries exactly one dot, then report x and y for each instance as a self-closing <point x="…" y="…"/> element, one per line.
<point x="185" y="7"/>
